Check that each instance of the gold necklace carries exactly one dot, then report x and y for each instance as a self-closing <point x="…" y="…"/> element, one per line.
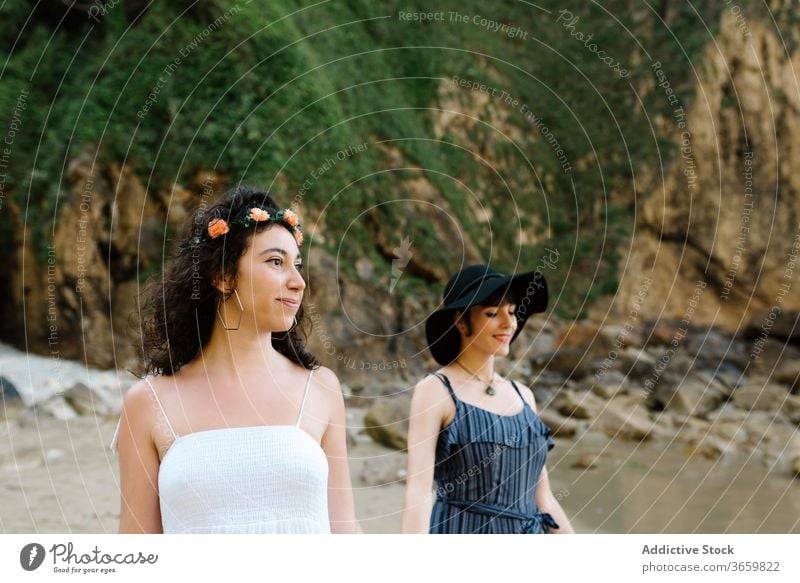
<point x="489" y="388"/>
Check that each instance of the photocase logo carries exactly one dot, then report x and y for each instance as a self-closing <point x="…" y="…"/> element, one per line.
<point x="402" y="256"/>
<point x="31" y="556"/>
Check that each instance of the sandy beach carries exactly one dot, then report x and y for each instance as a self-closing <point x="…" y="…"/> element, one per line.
<point x="60" y="477"/>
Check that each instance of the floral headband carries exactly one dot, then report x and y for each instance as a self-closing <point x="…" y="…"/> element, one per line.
<point x="219" y="227"/>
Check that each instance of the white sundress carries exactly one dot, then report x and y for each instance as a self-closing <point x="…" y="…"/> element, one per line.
<point x="260" y="479"/>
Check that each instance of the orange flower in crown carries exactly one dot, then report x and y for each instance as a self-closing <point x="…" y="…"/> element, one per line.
<point x="217" y="227"/>
<point x="259" y="215"/>
<point x="291" y="217"/>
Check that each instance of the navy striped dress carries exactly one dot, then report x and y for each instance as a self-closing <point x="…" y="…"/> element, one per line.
<point x="487" y="468"/>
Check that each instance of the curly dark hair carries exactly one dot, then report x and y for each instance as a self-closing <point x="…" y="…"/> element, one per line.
<point x="181" y="302"/>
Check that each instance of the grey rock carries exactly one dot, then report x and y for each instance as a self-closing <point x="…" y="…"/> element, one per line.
<point x="690" y="397"/>
<point x="87" y="401"/>
<point x="607" y="385"/>
<point x="578" y="404"/>
<point x="8" y="390"/>
<point x="12" y="403"/>
<point x="770" y="397"/>
<point x="788" y="373"/>
<point x="55" y="406"/>
<point x="567" y="362"/>
<point x="782" y="324"/>
<point x="586" y="462"/>
<point x="386" y="421"/>
<point x="559" y="425"/>
<point x="625" y="418"/>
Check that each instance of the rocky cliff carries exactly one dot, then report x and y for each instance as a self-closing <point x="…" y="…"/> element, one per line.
<point x="718" y="232"/>
<point x="680" y="201"/>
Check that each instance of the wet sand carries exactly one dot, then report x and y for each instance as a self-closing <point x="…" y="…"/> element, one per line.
<point x="60" y="477"/>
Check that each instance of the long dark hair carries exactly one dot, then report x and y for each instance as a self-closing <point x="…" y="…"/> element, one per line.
<point x="181" y="303"/>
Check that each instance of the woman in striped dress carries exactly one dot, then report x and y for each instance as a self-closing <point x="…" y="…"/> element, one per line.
<point x="475" y="433"/>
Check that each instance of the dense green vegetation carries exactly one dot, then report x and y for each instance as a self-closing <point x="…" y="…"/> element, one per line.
<point x="275" y="89"/>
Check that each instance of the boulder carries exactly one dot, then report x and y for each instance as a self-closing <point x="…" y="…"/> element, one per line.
<point x="709" y="446"/>
<point x="607" y="385"/>
<point x="548" y="379"/>
<point x="636" y="364"/>
<point x="711" y="347"/>
<point x="704" y="439"/>
<point x="386" y="421"/>
<point x="578" y="404"/>
<point x="12" y="403"/>
<point x="621" y="337"/>
<point x="781" y="452"/>
<point x="691" y="397"/>
<point x="769" y="397"/>
<point x="569" y="363"/>
<point x="625" y="417"/>
<point x="768" y="431"/>
<point x="727" y="412"/>
<point x="87" y="401"/>
<point x="559" y="425"/>
<point x="55" y="406"/>
<point x="584" y="348"/>
<point x="586" y="336"/>
<point x="788" y="373"/>
<point x="729" y="430"/>
<point x="668" y="366"/>
<point x="725" y="375"/>
<point x="781" y="324"/>
<point x="769" y="355"/>
<point x="663" y="333"/>
<point x="586" y="462"/>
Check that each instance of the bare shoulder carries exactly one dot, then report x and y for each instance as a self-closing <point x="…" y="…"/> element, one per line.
<point x="431" y="391"/>
<point x="140" y="403"/>
<point x="137" y="408"/>
<point x="527" y="394"/>
<point x="327" y="380"/>
<point x="330" y="388"/>
<point x="136" y="402"/>
<point x="429" y="383"/>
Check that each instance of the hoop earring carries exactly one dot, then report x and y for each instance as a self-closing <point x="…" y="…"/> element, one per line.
<point x="241" y="311"/>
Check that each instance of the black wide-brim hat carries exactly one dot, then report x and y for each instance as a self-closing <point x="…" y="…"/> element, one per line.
<point x="472" y="286"/>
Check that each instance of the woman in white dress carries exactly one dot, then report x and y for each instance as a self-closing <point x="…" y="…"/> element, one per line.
<point x="237" y="429"/>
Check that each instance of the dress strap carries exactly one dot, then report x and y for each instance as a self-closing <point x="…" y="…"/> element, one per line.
<point x="446" y="383"/>
<point x="164" y="413"/>
<point x="516" y="388"/>
<point x="115" y="439"/>
<point x="303" y="404"/>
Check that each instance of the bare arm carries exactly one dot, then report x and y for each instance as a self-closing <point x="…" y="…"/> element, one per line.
<point x="140" y="511"/>
<point x="425" y="421"/>
<point x="341" y="507"/>
<point x="548" y="503"/>
<point x="545" y="499"/>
